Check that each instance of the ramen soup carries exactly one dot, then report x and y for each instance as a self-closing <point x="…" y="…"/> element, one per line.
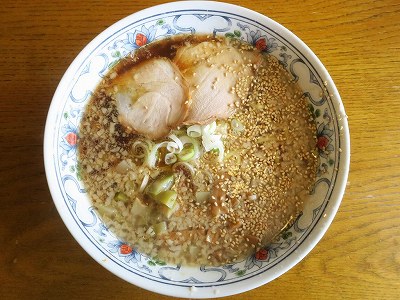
<point x="198" y="150"/>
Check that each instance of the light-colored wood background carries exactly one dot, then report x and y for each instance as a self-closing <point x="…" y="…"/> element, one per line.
<point x="359" y="43"/>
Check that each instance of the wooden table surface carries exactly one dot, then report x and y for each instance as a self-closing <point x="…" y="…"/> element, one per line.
<point x="359" y="43"/>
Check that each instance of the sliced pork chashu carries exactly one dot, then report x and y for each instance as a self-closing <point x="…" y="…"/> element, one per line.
<point x="212" y="69"/>
<point x="151" y="97"/>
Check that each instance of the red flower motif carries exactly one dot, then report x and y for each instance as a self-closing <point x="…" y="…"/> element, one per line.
<point x="261" y="44"/>
<point x="125" y="249"/>
<point x="322" y="142"/>
<point x="141" y="39"/>
<point x="262" y="254"/>
<point x="71" y="138"/>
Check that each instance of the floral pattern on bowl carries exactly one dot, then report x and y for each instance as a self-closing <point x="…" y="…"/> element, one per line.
<point x="75" y="207"/>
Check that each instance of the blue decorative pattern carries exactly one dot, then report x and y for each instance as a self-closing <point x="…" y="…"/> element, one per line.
<point x="121" y="44"/>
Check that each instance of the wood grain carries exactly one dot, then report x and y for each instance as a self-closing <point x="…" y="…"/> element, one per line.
<point x="359" y="43"/>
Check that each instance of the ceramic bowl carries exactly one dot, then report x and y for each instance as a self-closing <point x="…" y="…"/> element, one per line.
<point x="62" y="136"/>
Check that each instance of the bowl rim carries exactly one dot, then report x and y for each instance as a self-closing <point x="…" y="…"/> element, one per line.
<point x="314" y="236"/>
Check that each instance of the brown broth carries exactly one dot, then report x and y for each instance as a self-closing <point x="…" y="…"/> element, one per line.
<point x="235" y="223"/>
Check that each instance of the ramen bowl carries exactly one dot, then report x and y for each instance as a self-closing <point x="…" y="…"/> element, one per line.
<point x="212" y="18"/>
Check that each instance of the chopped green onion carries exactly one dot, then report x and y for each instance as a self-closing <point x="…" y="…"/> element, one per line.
<point x="209" y="141"/>
<point x="160" y="227"/>
<point x="144" y="182"/>
<point x="220" y="147"/>
<point x="176" y="146"/>
<point x="187" y="153"/>
<point x="196" y="145"/>
<point x="170" y="158"/>
<point x="119" y="196"/>
<point x="152" y="157"/>
<point x="184" y="167"/>
<point x="168" y="212"/>
<point x="209" y="128"/>
<point x="140" y="213"/>
<point x="141" y="148"/>
<point x="162" y="183"/>
<point x="194" y="131"/>
<point x="168" y="198"/>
